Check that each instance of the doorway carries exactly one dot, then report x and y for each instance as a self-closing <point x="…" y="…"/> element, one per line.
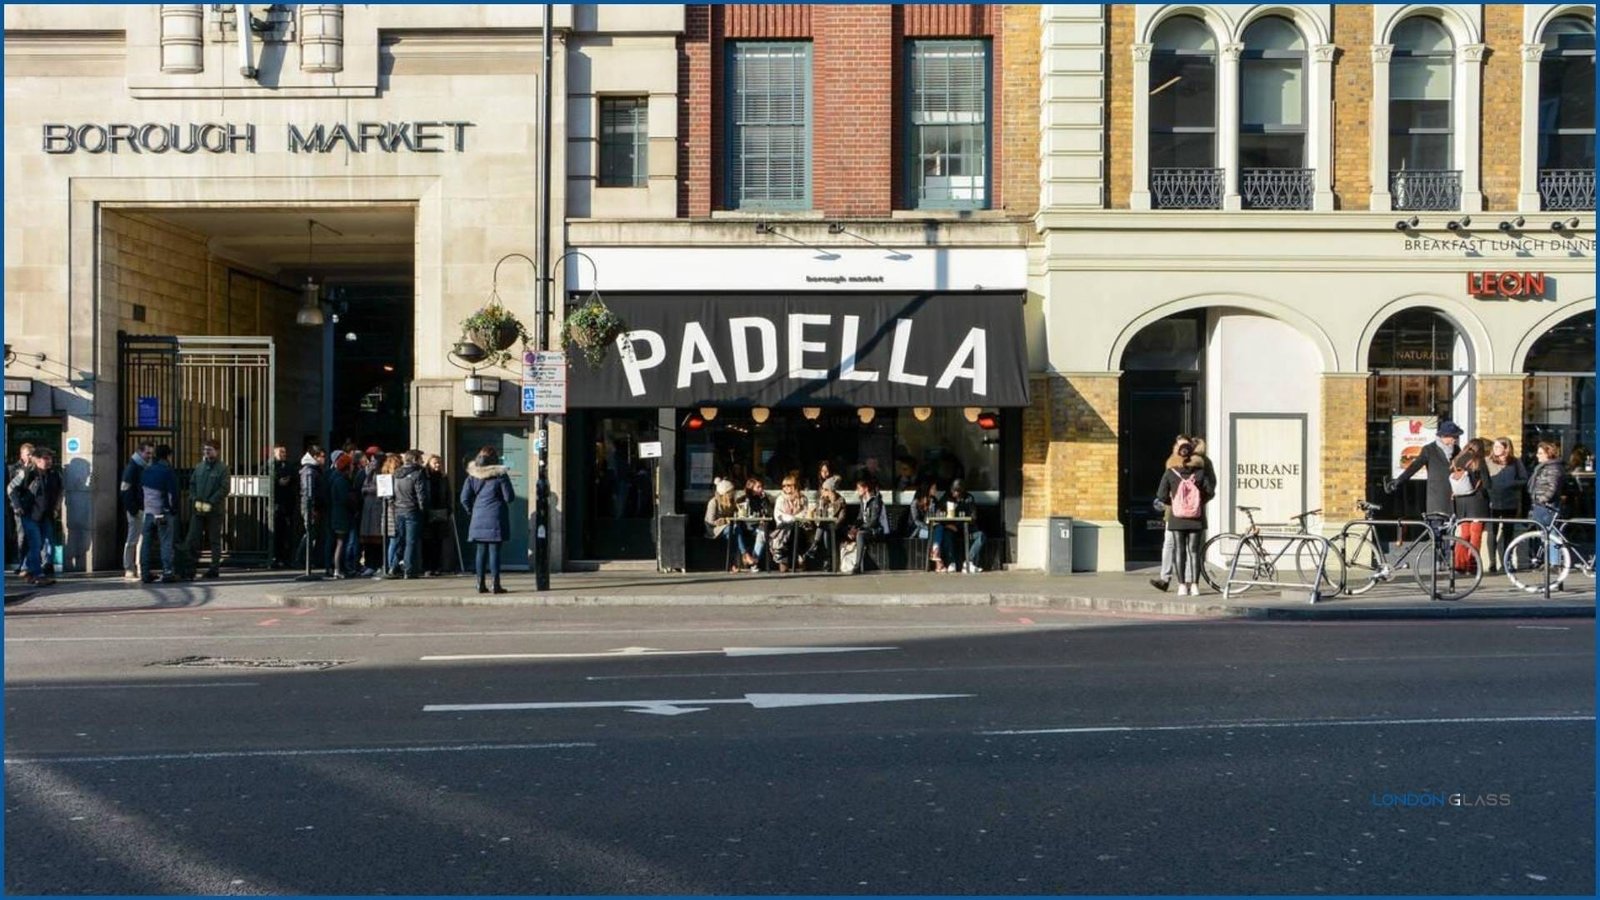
<point x="510" y="440"/>
<point x="613" y="489"/>
<point x="40" y="433"/>
<point x="1161" y="395"/>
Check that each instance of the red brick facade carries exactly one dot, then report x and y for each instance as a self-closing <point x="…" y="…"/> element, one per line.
<point x="857" y="97"/>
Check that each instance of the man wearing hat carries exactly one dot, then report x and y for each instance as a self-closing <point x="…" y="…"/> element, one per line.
<point x="1436" y="458"/>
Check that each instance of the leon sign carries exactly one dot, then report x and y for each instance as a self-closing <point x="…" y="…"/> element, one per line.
<point x="1506" y="284"/>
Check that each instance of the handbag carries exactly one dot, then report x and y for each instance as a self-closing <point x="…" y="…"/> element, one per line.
<point x="1461" y="483"/>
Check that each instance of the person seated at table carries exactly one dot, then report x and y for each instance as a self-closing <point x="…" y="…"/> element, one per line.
<point x="923" y="506"/>
<point x="720" y="510"/>
<point x="790" y="506"/>
<point x="958" y="502"/>
<point x="755" y="505"/>
<point x="829" y="505"/>
<point x="872" y="524"/>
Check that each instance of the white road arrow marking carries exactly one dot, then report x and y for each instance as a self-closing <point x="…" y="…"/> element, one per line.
<point x="650" y="651"/>
<point x="679" y="707"/>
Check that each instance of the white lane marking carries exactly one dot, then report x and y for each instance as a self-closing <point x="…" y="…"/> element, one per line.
<point x="981" y="629"/>
<point x="679" y="707"/>
<point x="891" y="670"/>
<point x="1543" y="628"/>
<point x="254" y="754"/>
<point x="1310" y="723"/>
<point x="1458" y="656"/>
<point x="650" y="651"/>
<point x="130" y="687"/>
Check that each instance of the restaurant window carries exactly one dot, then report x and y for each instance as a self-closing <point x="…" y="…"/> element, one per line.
<point x="624" y="142"/>
<point x="1420" y="370"/>
<point x="1272" y="96"/>
<point x="1421" y="130"/>
<point x="948" y="113"/>
<point x="1559" y="404"/>
<point x="769" y="125"/>
<point x="1183" y="95"/>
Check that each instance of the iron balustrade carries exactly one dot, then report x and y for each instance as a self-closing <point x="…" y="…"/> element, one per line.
<point x="1277" y="188"/>
<point x="1438" y="190"/>
<point x="1566" y="189"/>
<point x="1186" y="188"/>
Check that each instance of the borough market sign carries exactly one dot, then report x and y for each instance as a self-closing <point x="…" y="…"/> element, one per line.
<point x="213" y="137"/>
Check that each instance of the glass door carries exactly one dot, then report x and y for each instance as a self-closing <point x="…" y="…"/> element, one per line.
<point x="614" y="488"/>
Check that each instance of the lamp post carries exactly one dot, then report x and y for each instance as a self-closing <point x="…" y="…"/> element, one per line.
<point x="541" y="440"/>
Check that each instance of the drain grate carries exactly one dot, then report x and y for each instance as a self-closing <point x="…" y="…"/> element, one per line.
<point x="228" y="662"/>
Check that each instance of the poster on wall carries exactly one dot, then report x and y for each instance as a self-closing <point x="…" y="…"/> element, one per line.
<point x="1410" y="435"/>
<point x="1268" y="469"/>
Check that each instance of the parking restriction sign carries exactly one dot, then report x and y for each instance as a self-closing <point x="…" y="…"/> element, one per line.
<point x="544" y="383"/>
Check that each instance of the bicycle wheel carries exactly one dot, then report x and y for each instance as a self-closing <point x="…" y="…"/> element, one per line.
<point x="1453" y="583"/>
<point x="1306" y="557"/>
<point x="1527" y="557"/>
<point x="1360" y="561"/>
<point x="1217" y="555"/>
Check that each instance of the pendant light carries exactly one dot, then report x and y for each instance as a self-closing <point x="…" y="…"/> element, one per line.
<point x="310" y="312"/>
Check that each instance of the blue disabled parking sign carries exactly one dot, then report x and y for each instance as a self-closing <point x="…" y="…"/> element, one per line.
<point x="530" y="399"/>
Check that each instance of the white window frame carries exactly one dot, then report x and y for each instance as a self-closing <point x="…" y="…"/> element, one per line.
<point x="1536" y="17"/>
<point x="1227" y="24"/>
<point x="1464" y="22"/>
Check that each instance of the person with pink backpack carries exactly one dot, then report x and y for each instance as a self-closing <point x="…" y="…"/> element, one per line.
<point x="1186" y="487"/>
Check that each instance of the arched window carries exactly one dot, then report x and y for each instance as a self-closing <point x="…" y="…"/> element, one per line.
<point x="1183" y="117"/>
<point x="1272" y="117"/>
<point x="1421" y="134"/>
<point x="1559" y="403"/>
<point x="1421" y="372"/>
<point x="1566" y="115"/>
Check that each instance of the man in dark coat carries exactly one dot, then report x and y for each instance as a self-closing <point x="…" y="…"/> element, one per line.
<point x="314" y="505"/>
<point x="410" y="499"/>
<point x="132" y="493"/>
<point x="1436" y="458"/>
<point x="208" y="488"/>
<point x="160" y="486"/>
<point x="36" y="497"/>
<point x="285" y="503"/>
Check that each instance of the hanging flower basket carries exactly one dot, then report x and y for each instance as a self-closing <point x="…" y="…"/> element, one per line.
<point x="494" y="329"/>
<point x="592" y="328"/>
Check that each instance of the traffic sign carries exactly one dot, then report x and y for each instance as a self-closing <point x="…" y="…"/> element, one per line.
<point x="544" y="382"/>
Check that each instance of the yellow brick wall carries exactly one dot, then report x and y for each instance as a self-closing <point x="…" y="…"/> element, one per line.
<point x="1069" y="447"/>
<point x="163" y="268"/>
<point x="1502" y="106"/>
<point x="1020" y="36"/>
<point x="1119" y="103"/>
<point x="1344" y="445"/>
<point x="1352" y="106"/>
<point x="1499" y="411"/>
<point x="1036" y="450"/>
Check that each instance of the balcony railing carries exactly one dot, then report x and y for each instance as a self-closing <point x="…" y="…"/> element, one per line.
<point x="1426" y="189"/>
<point x="1186" y="188"/>
<point x="1276" y="188"/>
<point x="1567" y="188"/>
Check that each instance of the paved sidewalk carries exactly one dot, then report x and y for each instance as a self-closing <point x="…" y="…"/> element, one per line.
<point x="1128" y="593"/>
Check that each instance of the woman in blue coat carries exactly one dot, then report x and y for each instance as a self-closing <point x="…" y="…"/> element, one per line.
<point x="487" y="497"/>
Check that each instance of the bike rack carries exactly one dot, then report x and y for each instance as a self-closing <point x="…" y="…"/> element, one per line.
<point x="1534" y="522"/>
<point x="1431" y="531"/>
<point x="1291" y="538"/>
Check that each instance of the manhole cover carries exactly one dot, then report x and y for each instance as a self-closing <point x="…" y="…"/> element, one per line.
<point x="226" y="662"/>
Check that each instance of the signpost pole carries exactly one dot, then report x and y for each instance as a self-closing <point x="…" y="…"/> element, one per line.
<point x="541" y="504"/>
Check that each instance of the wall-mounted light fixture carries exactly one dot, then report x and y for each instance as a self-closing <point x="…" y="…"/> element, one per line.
<point x="759" y="415"/>
<point x="1564" y="224"/>
<point x="1407" y="224"/>
<point x="1512" y="224"/>
<point x="476" y="384"/>
<point x="1459" y="224"/>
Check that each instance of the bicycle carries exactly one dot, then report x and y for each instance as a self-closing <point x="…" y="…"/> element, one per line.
<point x="1363" y="563"/>
<point x="1255" y="562"/>
<point x="1530" y="546"/>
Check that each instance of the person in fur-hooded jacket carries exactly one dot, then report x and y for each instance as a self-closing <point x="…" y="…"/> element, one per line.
<point x="1186" y="465"/>
<point x="487" y="496"/>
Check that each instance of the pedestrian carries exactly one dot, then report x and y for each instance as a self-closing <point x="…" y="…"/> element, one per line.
<point x="924" y="505"/>
<point x="720" y="510"/>
<point x="436" y="534"/>
<point x="131" y="489"/>
<point x="390" y="467"/>
<point x="37" y="497"/>
<point x="830" y="505"/>
<point x="314" y="506"/>
<point x="1506" y="476"/>
<point x="341" y="501"/>
<point x="370" y="525"/>
<point x="1183" y="491"/>
<point x="487" y="495"/>
<point x="160" y="486"/>
<point x="1470" y="499"/>
<point x="285" y="503"/>
<point x="409" y="501"/>
<point x="958" y="502"/>
<point x="1169" y="538"/>
<point x="1436" y="457"/>
<point x="14" y="476"/>
<point x="872" y="525"/>
<point x="208" y="488"/>
<point x="1547" y="488"/>
<point x="757" y="507"/>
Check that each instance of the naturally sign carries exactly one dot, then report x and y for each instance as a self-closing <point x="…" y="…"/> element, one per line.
<point x="679" y="707"/>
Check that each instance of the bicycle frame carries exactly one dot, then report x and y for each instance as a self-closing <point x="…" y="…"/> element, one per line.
<point x="1432" y="531"/>
<point x="1259" y="538"/>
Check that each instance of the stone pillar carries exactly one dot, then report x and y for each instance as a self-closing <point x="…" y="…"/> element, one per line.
<point x="1228" y="124"/>
<point x="182" y="38"/>
<point x="322" y="38"/>
<point x="1320" y="116"/>
<point x="1499" y="413"/>
<point x="1528" y="188"/>
<point x="1139" y="196"/>
<point x="1378" y="132"/>
<point x="1344" y="446"/>
<point x="1469" y="79"/>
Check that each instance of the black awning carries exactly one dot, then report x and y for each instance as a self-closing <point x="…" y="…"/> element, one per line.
<point x="776" y="350"/>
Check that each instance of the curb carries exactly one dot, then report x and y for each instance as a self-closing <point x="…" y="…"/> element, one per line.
<point x="1296" y="612"/>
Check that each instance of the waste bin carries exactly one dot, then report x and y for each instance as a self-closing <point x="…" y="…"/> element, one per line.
<point x="1058" y="560"/>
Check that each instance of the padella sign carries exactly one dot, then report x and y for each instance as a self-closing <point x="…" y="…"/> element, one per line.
<point x="882" y="350"/>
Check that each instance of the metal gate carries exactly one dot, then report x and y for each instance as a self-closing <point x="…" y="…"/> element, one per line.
<point x="180" y="391"/>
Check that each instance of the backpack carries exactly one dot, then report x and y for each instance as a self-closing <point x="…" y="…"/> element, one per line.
<point x="1186" y="501"/>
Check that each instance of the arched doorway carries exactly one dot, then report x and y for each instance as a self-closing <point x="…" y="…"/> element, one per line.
<point x="1559" y="405"/>
<point x="1421" y="375"/>
<point x="1162" y="395"/>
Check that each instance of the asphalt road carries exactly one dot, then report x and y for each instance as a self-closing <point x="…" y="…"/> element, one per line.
<point x="970" y="750"/>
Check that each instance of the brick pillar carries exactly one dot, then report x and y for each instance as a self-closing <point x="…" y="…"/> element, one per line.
<point x="1344" y="446"/>
<point x="1499" y="411"/>
<point x="1502" y="106"/>
<point x="694" y="113"/>
<point x="1083" y="445"/>
<point x="1352" y="106"/>
<point x="852" y="75"/>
